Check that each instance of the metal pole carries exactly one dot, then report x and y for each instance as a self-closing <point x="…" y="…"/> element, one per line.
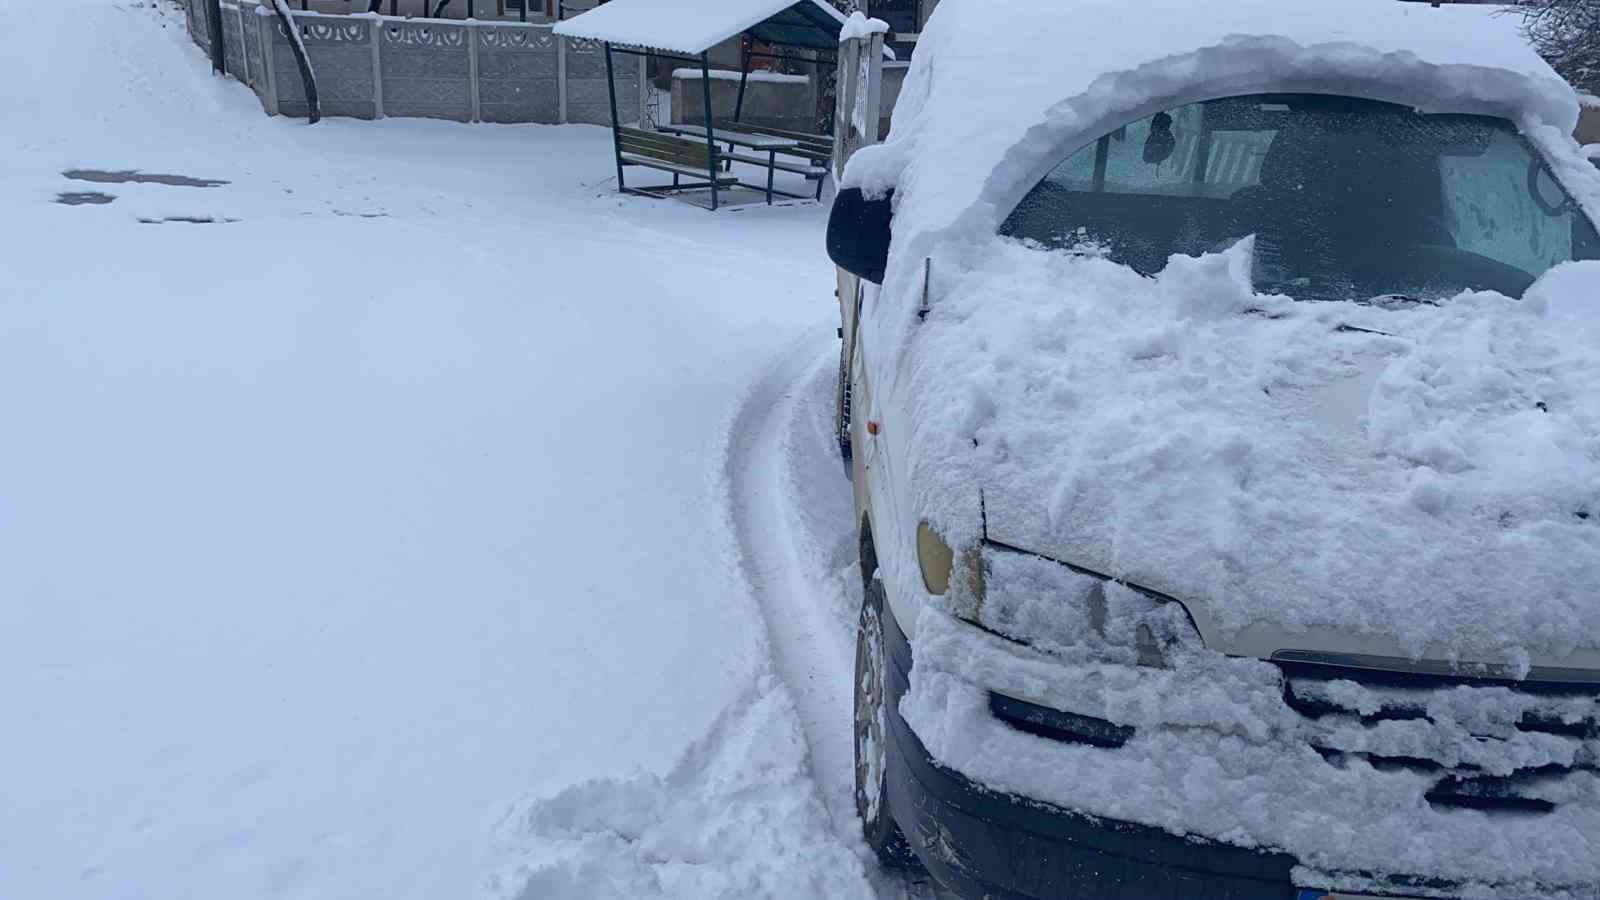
<point x="744" y="77"/>
<point x="616" y="138"/>
<point x="711" y="142"/>
<point x="219" y="58"/>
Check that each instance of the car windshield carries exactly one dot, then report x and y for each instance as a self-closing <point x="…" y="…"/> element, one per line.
<point x="1347" y="198"/>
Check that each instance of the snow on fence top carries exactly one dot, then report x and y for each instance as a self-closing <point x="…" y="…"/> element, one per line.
<point x="1024" y="83"/>
<point x="695" y="26"/>
<point x="859" y="27"/>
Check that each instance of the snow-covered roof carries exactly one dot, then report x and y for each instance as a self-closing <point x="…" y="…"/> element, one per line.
<point x="1024" y="83"/>
<point x="695" y="26"/>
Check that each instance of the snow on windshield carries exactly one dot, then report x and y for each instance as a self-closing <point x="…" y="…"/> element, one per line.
<point x="999" y="93"/>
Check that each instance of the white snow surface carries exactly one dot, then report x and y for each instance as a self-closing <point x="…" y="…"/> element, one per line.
<point x="375" y="539"/>
<point x="985" y="112"/>
<point x="681" y="26"/>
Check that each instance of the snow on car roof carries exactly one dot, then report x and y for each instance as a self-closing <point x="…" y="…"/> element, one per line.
<point x="1009" y="81"/>
<point x="695" y="26"/>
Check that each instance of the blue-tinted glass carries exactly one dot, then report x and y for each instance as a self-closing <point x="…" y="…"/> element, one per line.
<point x="1347" y="198"/>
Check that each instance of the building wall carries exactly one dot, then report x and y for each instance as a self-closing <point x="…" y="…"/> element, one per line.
<point x="775" y="104"/>
<point x="1589" y="125"/>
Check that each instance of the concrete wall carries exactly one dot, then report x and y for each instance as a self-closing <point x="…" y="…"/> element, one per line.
<point x="371" y="66"/>
<point x="482" y="10"/>
<point x="776" y="104"/>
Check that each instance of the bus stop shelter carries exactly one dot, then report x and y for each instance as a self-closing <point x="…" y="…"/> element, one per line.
<point x="687" y="30"/>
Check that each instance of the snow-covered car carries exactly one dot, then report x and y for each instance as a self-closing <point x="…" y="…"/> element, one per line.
<point x="1220" y="401"/>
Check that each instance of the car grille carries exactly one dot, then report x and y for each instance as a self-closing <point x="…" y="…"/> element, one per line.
<point x="1497" y="746"/>
<point x="1069" y="728"/>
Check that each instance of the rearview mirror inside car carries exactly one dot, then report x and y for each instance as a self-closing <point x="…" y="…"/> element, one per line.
<point x="858" y="233"/>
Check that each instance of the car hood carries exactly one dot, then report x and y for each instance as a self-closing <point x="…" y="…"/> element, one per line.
<point x="1478" y="634"/>
<point x="1419" y="483"/>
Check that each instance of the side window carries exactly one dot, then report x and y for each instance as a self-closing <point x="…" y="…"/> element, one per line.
<point x="1490" y="208"/>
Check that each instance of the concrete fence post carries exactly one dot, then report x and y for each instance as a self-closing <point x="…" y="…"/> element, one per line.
<point x="561" y="78"/>
<point x="269" y="83"/>
<point x="377" y="67"/>
<point x="473" y="102"/>
<point x="858" y="105"/>
<point x="873" y="110"/>
<point x="244" y="54"/>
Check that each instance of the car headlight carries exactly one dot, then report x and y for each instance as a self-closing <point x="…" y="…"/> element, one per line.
<point x="1060" y="609"/>
<point x="941" y="566"/>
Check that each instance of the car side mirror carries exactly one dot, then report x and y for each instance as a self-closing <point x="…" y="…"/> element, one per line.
<point x="858" y="233"/>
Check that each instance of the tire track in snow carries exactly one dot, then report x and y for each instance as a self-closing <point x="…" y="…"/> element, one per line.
<point x="780" y="477"/>
<point x="810" y="654"/>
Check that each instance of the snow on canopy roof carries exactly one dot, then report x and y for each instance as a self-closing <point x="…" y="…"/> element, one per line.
<point x="1001" y="90"/>
<point x="695" y="26"/>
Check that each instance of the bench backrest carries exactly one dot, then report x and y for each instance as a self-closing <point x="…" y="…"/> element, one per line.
<point x="816" y="146"/>
<point x="670" y="148"/>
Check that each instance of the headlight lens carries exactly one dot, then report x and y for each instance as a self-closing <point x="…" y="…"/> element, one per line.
<point x="1066" y="611"/>
<point x="961" y="575"/>
<point x="936" y="559"/>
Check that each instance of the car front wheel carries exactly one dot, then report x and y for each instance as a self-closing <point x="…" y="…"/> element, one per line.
<point x="871" y="735"/>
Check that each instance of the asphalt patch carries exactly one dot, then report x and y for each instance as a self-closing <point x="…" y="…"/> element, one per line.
<point x="133" y="176"/>
<point x="83" y="198"/>
<point x="188" y="220"/>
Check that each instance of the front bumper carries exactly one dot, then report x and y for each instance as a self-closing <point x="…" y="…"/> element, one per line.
<point x="982" y="843"/>
<point x="987" y="842"/>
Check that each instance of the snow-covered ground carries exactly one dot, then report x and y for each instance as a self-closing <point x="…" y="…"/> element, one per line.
<point x="399" y="532"/>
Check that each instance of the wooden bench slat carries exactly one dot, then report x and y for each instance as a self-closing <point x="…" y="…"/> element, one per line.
<point x="675" y="154"/>
<point x="666" y="148"/>
<point x="817" y="146"/>
<point x="661" y="140"/>
<point x="775" y="132"/>
<point x="634" y="159"/>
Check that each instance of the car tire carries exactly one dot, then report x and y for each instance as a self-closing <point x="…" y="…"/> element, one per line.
<point x="841" y="409"/>
<point x="872" y="751"/>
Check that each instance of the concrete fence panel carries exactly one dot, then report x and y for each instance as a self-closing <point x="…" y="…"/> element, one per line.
<point x="588" y="100"/>
<point x="340" y="49"/>
<point x="254" y="66"/>
<point x="233" y="42"/>
<point x="518" y="75"/>
<point x="369" y="66"/>
<point x="426" y="70"/>
<point x="199" y="25"/>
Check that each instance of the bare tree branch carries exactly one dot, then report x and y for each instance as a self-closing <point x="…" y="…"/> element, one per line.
<point x="1567" y="33"/>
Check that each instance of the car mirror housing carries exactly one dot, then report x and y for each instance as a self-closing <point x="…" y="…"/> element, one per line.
<point x="859" y="232"/>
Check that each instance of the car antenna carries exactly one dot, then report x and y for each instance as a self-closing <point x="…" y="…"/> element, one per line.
<point x="927" y="271"/>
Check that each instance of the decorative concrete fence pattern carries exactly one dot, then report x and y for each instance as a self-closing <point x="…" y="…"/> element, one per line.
<point x="369" y="66"/>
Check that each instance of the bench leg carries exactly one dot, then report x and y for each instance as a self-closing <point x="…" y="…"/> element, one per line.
<point x="674" y="180"/>
<point x="772" y="167"/>
<point x="820" y="180"/>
